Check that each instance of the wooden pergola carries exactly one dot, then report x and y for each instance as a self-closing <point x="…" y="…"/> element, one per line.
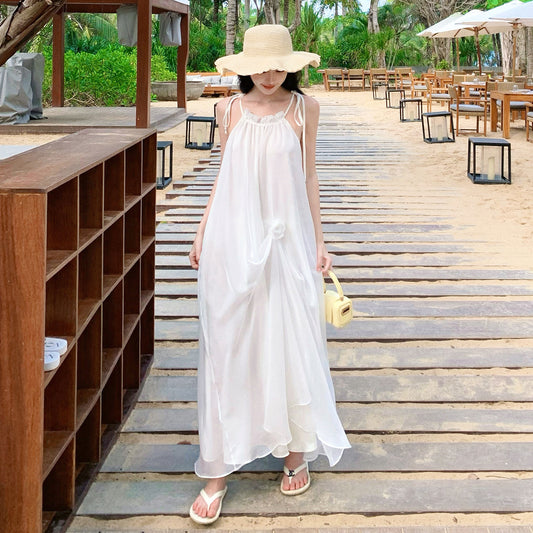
<point x="145" y="9"/>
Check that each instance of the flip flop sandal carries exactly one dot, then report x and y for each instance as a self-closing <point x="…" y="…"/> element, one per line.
<point x="51" y="360"/>
<point x="291" y="474"/>
<point x="54" y="344"/>
<point x="204" y="520"/>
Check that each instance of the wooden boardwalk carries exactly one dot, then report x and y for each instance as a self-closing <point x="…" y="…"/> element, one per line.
<point x="433" y="378"/>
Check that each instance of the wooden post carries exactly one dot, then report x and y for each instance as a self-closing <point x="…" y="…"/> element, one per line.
<point x="144" y="59"/>
<point x="21" y="359"/>
<point x="183" y="56"/>
<point x="58" y="60"/>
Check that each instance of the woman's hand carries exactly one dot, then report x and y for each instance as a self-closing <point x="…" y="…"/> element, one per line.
<point x="323" y="259"/>
<point x="196" y="250"/>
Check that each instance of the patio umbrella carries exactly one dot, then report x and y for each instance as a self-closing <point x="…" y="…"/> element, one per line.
<point x="433" y="30"/>
<point x="473" y="23"/>
<point x="517" y="14"/>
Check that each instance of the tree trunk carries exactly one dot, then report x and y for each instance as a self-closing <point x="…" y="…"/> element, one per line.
<point x="246" y="21"/>
<point x="506" y="39"/>
<point x="297" y="15"/>
<point x="373" y="26"/>
<point x="529" y="52"/>
<point x="231" y="27"/>
<point x="216" y="10"/>
<point x="286" y="12"/>
<point x="272" y="11"/>
<point x="23" y="23"/>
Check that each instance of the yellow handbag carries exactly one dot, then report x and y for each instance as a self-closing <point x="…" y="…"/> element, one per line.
<point x="338" y="307"/>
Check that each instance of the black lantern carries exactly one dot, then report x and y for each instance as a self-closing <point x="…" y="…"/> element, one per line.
<point x="435" y="127"/>
<point x="411" y="110"/>
<point x="379" y="90"/>
<point x="393" y="97"/>
<point x="200" y="133"/>
<point x="489" y="160"/>
<point x="163" y="178"/>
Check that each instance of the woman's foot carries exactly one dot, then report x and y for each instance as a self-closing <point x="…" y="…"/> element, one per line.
<point x="200" y="506"/>
<point x="300" y="480"/>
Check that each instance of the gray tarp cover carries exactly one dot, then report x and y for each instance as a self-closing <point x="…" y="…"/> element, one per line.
<point x="169" y="29"/>
<point x="127" y="25"/>
<point x="35" y="64"/>
<point x="15" y="95"/>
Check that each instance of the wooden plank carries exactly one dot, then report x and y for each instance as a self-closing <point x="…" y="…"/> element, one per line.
<point x="396" y="307"/>
<point x="347" y="356"/>
<point x="361" y="457"/>
<point x="371" y="388"/>
<point x="381" y="329"/>
<point x="411" y="289"/>
<point x="372" y="418"/>
<point x="339" y="495"/>
<point x="366" y="261"/>
<point x="355" y="248"/>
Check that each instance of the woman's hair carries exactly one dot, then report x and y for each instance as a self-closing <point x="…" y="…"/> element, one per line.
<point x="291" y="83"/>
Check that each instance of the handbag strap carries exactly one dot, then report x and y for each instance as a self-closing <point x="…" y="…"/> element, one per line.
<point x="333" y="277"/>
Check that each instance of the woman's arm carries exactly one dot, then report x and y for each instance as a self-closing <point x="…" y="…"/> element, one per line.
<point x="312" y="111"/>
<point x="196" y="250"/>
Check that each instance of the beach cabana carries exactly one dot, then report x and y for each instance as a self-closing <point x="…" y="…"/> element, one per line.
<point x="145" y="9"/>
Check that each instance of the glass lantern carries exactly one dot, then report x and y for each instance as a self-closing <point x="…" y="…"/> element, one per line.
<point x="200" y="133"/>
<point x="435" y="127"/>
<point x="379" y="90"/>
<point x="393" y="97"/>
<point x="411" y="110"/>
<point x="489" y="160"/>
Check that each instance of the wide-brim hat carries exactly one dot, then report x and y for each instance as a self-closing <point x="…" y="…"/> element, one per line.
<point x="266" y="47"/>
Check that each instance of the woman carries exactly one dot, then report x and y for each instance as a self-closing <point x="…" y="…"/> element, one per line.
<point x="264" y="385"/>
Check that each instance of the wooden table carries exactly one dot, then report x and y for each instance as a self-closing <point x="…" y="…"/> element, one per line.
<point x="506" y="98"/>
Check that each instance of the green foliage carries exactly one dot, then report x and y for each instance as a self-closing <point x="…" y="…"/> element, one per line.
<point x="443" y="64"/>
<point x="106" y="78"/>
<point x="206" y="45"/>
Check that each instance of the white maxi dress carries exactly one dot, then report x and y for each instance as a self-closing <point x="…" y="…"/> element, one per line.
<point x="264" y="385"/>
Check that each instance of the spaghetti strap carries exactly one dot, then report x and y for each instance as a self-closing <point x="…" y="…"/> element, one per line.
<point x="299" y="118"/>
<point x="227" y="115"/>
<point x="290" y="103"/>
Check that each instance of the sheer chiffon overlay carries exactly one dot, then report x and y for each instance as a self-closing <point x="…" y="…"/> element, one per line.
<point x="264" y="384"/>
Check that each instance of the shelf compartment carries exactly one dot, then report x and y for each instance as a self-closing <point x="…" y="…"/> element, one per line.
<point x="148" y="269"/>
<point x="148" y="215"/>
<point x="56" y="260"/>
<point x="62" y="217"/>
<point x="88" y="437"/>
<point x="91" y="198"/>
<point x="114" y="185"/>
<point x="89" y="367"/>
<point x="132" y="290"/>
<point x="89" y="281"/>
<point x="61" y="304"/>
<point x="110" y="357"/>
<point x="149" y="159"/>
<point x="112" y="396"/>
<point x="85" y="401"/>
<point x="49" y="375"/>
<point x="147" y="330"/>
<point x="113" y="255"/>
<point x="134" y="170"/>
<point x="54" y="444"/>
<point x="59" y="485"/>
<point x="113" y="312"/>
<point x="131" y="361"/>
<point x="59" y="396"/>
<point x="132" y="229"/>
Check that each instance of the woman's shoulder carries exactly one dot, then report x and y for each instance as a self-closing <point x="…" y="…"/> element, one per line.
<point x="312" y="107"/>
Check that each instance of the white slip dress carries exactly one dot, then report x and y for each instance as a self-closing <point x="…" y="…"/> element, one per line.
<point x="264" y="385"/>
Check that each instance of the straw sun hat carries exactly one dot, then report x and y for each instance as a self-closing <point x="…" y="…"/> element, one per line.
<point x="266" y="47"/>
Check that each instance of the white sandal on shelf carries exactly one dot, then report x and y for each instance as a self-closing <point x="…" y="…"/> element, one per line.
<point x="291" y="474"/>
<point x="205" y="520"/>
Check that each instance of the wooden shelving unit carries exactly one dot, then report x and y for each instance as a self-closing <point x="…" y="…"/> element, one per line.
<point x="77" y="261"/>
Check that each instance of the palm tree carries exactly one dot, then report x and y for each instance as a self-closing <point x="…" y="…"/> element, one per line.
<point x="308" y="33"/>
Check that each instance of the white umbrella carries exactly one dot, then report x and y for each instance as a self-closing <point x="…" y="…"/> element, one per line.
<point x="433" y="30"/>
<point x="473" y="23"/>
<point x="517" y="14"/>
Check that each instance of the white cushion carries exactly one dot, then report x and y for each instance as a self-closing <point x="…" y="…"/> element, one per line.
<point x="468" y="108"/>
<point x="211" y="80"/>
